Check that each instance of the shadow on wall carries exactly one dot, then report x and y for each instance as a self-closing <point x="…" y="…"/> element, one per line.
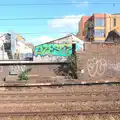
<point x="69" y="69"/>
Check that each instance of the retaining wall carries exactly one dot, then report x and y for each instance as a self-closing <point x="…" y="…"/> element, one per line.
<point x="11" y="68"/>
<point x="99" y="62"/>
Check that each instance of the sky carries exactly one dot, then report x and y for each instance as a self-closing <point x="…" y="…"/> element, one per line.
<point x="38" y="31"/>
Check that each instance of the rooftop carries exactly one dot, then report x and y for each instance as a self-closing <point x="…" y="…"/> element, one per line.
<point x="116" y="14"/>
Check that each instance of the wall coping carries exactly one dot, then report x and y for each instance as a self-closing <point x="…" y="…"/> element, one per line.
<point x="29" y="63"/>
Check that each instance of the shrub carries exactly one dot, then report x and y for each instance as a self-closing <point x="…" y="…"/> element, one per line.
<point x="24" y="75"/>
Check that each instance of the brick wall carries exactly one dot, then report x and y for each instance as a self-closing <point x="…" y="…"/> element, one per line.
<point x="99" y="62"/>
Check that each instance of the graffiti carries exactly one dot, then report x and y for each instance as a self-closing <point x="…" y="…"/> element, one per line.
<point x="115" y="66"/>
<point x="16" y="69"/>
<point x="1" y="68"/>
<point x="108" y="46"/>
<point x="53" y="50"/>
<point x="50" y="58"/>
<point x="96" y="67"/>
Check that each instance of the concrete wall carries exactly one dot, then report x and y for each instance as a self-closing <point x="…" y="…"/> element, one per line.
<point x="99" y="62"/>
<point x="40" y="70"/>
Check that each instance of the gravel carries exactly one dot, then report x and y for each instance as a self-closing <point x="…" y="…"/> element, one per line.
<point x="70" y="106"/>
<point x="76" y="117"/>
<point x="63" y="89"/>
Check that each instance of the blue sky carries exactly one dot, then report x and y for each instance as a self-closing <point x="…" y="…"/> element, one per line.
<point x="48" y="28"/>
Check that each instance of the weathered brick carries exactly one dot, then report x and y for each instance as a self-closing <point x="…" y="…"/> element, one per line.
<point x="99" y="61"/>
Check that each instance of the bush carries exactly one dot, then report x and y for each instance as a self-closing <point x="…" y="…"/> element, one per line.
<point x="69" y="70"/>
<point x="24" y="75"/>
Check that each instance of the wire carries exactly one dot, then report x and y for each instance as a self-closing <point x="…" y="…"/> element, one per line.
<point x="38" y="18"/>
<point x="40" y="33"/>
<point x="50" y="18"/>
<point x="46" y="4"/>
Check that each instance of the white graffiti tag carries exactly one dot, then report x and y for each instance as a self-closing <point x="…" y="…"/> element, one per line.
<point x="96" y="67"/>
<point x="114" y="66"/>
<point x="17" y="68"/>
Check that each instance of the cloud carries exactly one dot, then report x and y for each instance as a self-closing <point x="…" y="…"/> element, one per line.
<point x="44" y="39"/>
<point x="81" y="4"/>
<point x="40" y="40"/>
<point x="62" y="27"/>
<point x="66" y="23"/>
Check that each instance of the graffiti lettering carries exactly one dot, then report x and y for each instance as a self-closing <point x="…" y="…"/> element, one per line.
<point x="96" y="67"/>
<point x="53" y="50"/>
<point x="50" y="58"/>
<point x="16" y="69"/>
<point x="109" y="46"/>
<point x="115" y="67"/>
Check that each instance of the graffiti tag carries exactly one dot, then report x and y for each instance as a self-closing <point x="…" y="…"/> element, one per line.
<point x="50" y="59"/>
<point x="112" y="66"/>
<point x="16" y="69"/>
<point x="96" y="67"/>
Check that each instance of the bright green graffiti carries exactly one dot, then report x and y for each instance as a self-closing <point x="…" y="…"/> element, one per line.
<point x="53" y="50"/>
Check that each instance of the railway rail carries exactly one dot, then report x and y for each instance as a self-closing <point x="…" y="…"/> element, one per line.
<point x="59" y="96"/>
<point x="56" y="96"/>
<point x="58" y="93"/>
<point x="60" y="113"/>
<point x="19" y="84"/>
<point x="60" y="99"/>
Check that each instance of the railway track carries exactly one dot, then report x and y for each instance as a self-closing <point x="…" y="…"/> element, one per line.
<point x="58" y="84"/>
<point x="59" y="99"/>
<point x="59" y="93"/>
<point x="60" y="113"/>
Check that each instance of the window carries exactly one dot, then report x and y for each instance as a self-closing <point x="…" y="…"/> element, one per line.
<point x="99" y="22"/>
<point x="114" y="22"/>
<point x="99" y="33"/>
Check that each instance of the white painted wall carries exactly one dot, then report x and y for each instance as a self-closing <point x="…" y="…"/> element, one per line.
<point x="22" y="49"/>
<point x="3" y="54"/>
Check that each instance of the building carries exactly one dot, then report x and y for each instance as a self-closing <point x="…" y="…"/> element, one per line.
<point x="13" y="46"/>
<point x="81" y="26"/>
<point x="57" y="50"/>
<point x="24" y="51"/>
<point x="98" y="26"/>
<point x="5" y="46"/>
<point x="113" y="36"/>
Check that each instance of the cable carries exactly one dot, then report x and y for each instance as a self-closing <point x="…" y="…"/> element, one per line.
<point x="40" y="33"/>
<point x="38" y="18"/>
<point x="25" y="25"/>
<point x="49" y="18"/>
<point x="46" y="4"/>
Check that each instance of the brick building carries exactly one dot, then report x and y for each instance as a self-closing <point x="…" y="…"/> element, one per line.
<point x="81" y="27"/>
<point x="97" y="27"/>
